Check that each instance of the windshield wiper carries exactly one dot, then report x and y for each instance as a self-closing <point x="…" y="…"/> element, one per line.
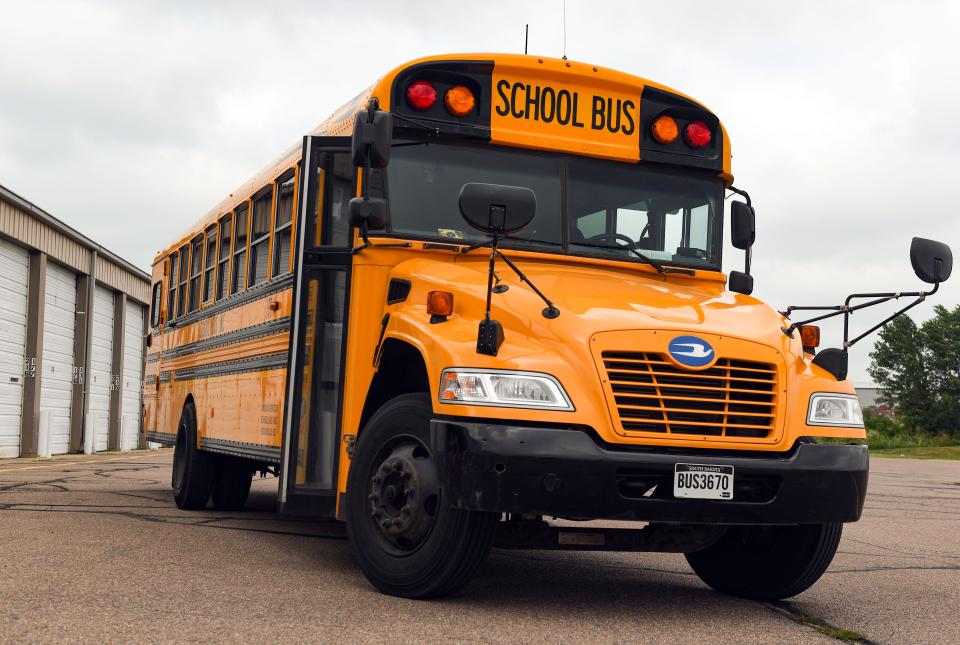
<point x="654" y="263"/>
<point x="508" y="238"/>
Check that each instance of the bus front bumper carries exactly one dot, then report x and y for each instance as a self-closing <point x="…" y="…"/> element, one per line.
<point x="566" y="473"/>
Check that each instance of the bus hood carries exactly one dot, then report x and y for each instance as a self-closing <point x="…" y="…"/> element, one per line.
<point x="592" y="297"/>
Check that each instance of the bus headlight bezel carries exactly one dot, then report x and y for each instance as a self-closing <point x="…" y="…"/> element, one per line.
<point x="846" y="405"/>
<point x="485" y="387"/>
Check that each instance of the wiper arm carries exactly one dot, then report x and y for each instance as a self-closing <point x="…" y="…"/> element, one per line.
<point x="654" y="263"/>
<point x="486" y="243"/>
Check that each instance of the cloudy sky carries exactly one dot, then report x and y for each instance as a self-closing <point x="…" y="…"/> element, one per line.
<point x="128" y="120"/>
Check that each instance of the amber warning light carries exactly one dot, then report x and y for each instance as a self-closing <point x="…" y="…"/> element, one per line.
<point x="459" y="100"/>
<point x="440" y="303"/>
<point x="810" y="336"/>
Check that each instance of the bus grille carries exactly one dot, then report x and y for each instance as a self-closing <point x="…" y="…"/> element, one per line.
<point x="733" y="398"/>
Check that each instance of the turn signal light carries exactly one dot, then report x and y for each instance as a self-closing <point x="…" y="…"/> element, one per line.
<point x="459" y="100"/>
<point x="697" y="134"/>
<point x="810" y="336"/>
<point x="421" y="95"/>
<point x="664" y="129"/>
<point x="439" y="303"/>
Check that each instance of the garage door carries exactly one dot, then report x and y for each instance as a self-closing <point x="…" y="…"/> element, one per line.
<point x="101" y="366"/>
<point x="14" y="275"/>
<point x="132" y="377"/>
<point x="60" y="300"/>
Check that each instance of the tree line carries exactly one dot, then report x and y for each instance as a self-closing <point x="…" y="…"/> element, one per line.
<point x="917" y="369"/>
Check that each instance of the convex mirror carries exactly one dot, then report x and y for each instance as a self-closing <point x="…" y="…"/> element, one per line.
<point x="743" y="231"/>
<point x="496" y="209"/>
<point x="932" y="261"/>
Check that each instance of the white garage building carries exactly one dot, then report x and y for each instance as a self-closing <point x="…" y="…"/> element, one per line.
<point x="72" y="327"/>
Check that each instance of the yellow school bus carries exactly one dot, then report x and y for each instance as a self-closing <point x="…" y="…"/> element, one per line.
<point x="486" y="297"/>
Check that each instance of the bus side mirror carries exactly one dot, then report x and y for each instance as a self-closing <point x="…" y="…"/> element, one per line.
<point x="368" y="213"/>
<point x="740" y="282"/>
<point x="743" y="227"/>
<point x="932" y="261"/>
<point x="373" y="135"/>
<point x="496" y="209"/>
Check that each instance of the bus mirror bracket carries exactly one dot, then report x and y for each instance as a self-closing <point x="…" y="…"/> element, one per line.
<point x="499" y="211"/>
<point x="372" y="137"/>
<point x="932" y="262"/>
<point x="369" y="149"/>
<point x="743" y="233"/>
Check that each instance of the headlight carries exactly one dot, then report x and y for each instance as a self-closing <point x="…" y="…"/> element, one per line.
<point x="503" y="388"/>
<point x="834" y="410"/>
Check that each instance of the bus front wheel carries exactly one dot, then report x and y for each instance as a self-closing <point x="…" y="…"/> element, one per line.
<point x="231" y="483"/>
<point x="767" y="562"/>
<point x="192" y="468"/>
<point x="408" y="540"/>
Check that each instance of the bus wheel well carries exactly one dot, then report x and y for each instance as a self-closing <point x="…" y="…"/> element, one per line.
<point x="402" y="371"/>
<point x="187" y="400"/>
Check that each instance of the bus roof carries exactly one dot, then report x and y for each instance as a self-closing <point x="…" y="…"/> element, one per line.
<point x="510" y="124"/>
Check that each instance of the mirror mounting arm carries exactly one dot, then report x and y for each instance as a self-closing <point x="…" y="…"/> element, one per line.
<point x="846" y="309"/>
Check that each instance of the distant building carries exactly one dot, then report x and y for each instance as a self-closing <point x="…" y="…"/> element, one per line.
<point x="870" y="401"/>
<point x="72" y="328"/>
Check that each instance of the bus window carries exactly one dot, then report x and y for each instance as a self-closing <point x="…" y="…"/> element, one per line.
<point x="223" y="261"/>
<point x="155" y="304"/>
<point x="672" y="230"/>
<point x="210" y="262"/>
<point x="172" y="282"/>
<point x="184" y="270"/>
<point x="424" y="183"/>
<point x="239" y="250"/>
<point x="196" y="269"/>
<point x="342" y="189"/>
<point x="592" y="225"/>
<point x="670" y="218"/>
<point x="699" y="228"/>
<point x="281" y="235"/>
<point x="260" y="238"/>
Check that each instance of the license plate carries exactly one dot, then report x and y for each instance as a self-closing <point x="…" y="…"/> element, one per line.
<point x="700" y="481"/>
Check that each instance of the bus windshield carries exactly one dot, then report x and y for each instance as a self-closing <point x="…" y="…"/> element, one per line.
<point x="667" y="216"/>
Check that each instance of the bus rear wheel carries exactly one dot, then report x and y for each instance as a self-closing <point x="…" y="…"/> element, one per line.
<point x="408" y="540"/>
<point x="192" y="468"/>
<point x="767" y="562"/>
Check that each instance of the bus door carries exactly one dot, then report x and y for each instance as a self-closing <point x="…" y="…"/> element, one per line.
<point x="308" y="477"/>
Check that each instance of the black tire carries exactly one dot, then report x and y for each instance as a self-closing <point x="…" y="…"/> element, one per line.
<point x="231" y="484"/>
<point x="767" y="562"/>
<point x="192" y="476"/>
<point x="408" y="541"/>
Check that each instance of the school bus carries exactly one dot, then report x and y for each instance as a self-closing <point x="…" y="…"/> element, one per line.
<point x="486" y="297"/>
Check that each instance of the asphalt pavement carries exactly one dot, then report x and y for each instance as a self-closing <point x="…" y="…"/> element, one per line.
<point x="92" y="548"/>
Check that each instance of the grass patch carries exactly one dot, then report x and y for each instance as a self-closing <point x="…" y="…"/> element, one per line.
<point x="845" y="635"/>
<point x="931" y="452"/>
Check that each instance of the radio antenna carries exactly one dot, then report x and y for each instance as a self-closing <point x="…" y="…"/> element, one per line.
<point x="526" y="38"/>
<point x="564" y="29"/>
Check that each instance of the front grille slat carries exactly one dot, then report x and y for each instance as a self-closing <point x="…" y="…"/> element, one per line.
<point x="732" y="398"/>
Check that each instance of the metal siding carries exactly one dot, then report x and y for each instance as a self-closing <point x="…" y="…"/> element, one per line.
<point x="14" y="276"/>
<point x="24" y="228"/>
<point x="122" y="280"/>
<point x="132" y="383"/>
<point x="101" y="361"/>
<point x="59" y="323"/>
